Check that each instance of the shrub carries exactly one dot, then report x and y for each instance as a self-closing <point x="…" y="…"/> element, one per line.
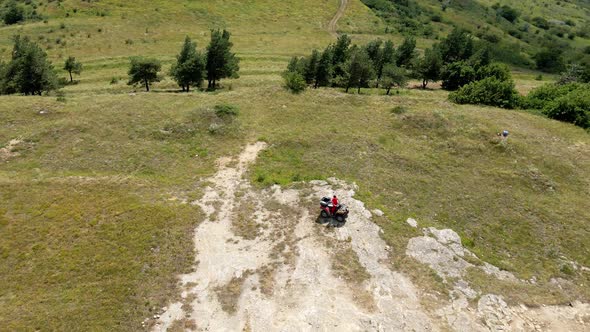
<point x="226" y="110"/>
<point x="456" y="75"/>
<point x="13" y="14"/>
<point x="295" y="82"/>
<point x="573" y="107"/>
<point x="509" y="13"/>
<point x="541" y="23"/>
<point x="497" y="70"/>
<point x="399" y="110"/>
<point x="489" y="91"/>
<point x="541" y="96"/>
<point x="550" y="60"/>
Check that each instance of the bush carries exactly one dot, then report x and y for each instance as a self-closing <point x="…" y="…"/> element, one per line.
<point x="497" y="70"/>
<point x="541" y="23"/>
<point x="541" y="96"/>
<point x="295" y="82"/>
<point x="456" y="75"/>
<point x="489" y="91"/>
<point x="13" y="14"/>
<point x="399" y="110"/>
<point x="508" y="13"/>
<point x="226" y="110"/>
<point x="550" y="60"/>
<point x="573" y="107"/>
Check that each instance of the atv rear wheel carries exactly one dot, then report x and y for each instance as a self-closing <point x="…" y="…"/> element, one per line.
<point x="339" y="218"/>
<point x="324" y="214"/>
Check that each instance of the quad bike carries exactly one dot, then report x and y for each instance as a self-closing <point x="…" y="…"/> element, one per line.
<point x="326" y="206"/>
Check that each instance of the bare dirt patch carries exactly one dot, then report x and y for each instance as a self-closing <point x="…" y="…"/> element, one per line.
<point x="288" y="272"/>
<point x="10" y="150"/>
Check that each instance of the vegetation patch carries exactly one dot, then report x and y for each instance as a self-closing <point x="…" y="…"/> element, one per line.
<point x="229" y="294"/>
<point x="346" y="266"/>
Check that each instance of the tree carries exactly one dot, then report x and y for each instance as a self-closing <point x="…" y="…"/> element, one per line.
<point x="294" y="82"/>
<point x="221" y="62"/>
<point x="144" y="71"/>
<point x="429" y="67"/>
<point x="359" y="71"/>
<point x="72" y="66"/>
<point x="323" y="72"/>
<point x="573" y="73"/>
<point x="29" y="72"/>
<point x="388" y="52"/>
<point x="457" y="74"/>
<point x="394" y="76"/>
<point x="340" y="54"/>
<point x="406" y="52"/>
<point x="375" y="53"/>
<point x="292" y="66"/>
<point x="13" y="13"/>
<point x="311" y="66"/>
<point x="189" y="68"/>
<point x="457" y="46"/>
<point x="341" y="51"/>
<point x="550" y="60"/>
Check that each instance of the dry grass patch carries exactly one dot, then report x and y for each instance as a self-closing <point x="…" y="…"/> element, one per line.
<point x="267" y="278"/>
<point x="181" y="325"/>
<point x="229" y="294"/>
<point x="244" y="223"/>
<point x="346" y="265"/>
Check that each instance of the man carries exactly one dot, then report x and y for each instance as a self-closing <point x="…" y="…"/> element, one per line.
<point x="334" y="205"/>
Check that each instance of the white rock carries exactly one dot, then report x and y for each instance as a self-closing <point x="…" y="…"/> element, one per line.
<point x="378" y="212"/>
<point x="412" y="222"/>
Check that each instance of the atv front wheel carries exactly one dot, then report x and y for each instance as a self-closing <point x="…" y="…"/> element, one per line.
<point x="339" y="218"/>
<point x="324" y="214"/>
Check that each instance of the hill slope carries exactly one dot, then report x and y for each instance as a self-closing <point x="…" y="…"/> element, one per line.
<point x="94" y="186"/>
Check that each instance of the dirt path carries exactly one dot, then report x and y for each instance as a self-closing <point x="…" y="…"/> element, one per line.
<point x="264" y="263"/>
<point x="282" y="278"/>
<point x="333" y="23"/>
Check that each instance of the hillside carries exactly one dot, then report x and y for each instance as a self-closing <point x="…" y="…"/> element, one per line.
<point x="108" y="194"/>
<point x="517" y="30"/>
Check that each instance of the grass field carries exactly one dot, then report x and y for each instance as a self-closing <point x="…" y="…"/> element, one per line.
<point x="91" y="201"/>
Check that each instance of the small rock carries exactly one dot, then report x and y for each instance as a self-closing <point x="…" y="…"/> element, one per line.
<point x="378" y="212"/>
<point x="412" y="222"/>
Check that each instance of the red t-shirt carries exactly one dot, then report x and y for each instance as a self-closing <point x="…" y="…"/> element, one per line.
<point x="335" y="201"/>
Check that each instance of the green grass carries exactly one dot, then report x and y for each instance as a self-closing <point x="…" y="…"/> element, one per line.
<point x="93" y="228"/>
<point x="444" y="165"/>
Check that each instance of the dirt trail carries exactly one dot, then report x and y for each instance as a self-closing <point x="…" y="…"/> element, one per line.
<point x="334" y="21"/>
<point x="305" y="293"/>
<point x="264" y="263"/>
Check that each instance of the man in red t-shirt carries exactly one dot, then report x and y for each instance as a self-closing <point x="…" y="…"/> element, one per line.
<point x="334" y="204"/>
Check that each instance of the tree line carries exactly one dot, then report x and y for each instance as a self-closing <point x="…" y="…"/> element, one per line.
<point x="464" y="66"/>
<point x="30" y="72"/>
<point x="456" y="61"/>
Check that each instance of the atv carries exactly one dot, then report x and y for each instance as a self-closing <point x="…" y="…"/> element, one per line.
<point x="326" y="206"/>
